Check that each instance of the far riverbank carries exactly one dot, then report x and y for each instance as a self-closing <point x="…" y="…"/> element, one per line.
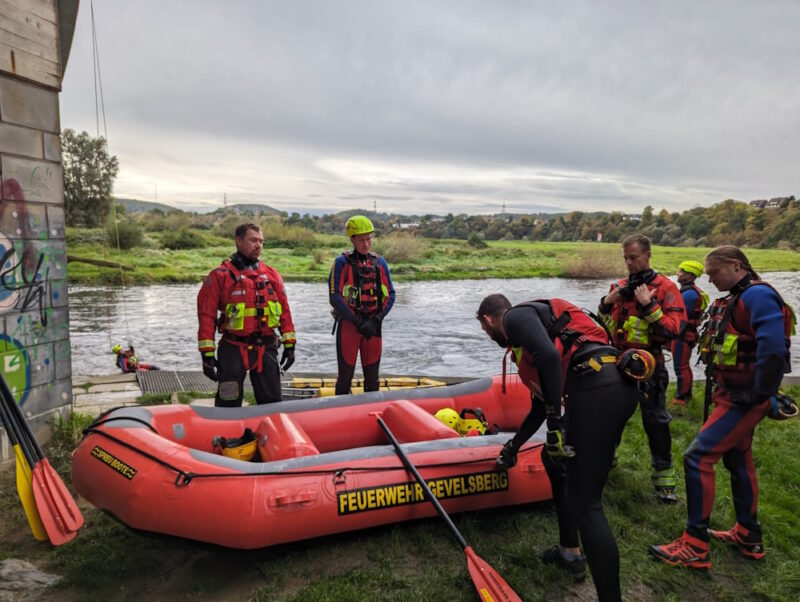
<point x="410" y="259"/>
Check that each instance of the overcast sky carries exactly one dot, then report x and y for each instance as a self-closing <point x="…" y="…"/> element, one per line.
<point x="438" y="106"/>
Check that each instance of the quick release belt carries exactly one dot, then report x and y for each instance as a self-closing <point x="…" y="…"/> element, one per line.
<point x="593" y="357"/>
<point x="258" y="340"/>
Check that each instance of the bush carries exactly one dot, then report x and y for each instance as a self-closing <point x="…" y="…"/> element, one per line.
<point x="125" y="235"/>
<point x="182" y="238"/>
<point x="594" y="263"/>
<point x="476" y="241"/>
<point x="89" y="236"/>
<point x="402" y="247"/>
<point x="277" y="233"/>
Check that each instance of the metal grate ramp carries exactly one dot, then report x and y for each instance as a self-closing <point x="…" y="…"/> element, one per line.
<point x="170" y="381"/>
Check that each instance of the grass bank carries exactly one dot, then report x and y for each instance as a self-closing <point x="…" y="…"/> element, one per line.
<point x="421" y="560"/>
<point x="410" y="258"/>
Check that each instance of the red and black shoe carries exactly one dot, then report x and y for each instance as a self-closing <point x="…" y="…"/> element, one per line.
<point x="747" y="541"/>
<point x="687" y="550"/>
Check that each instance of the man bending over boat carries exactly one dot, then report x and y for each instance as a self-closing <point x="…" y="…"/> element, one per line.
<point x="245" y="300"/>
<point x="361" y="293"/>
<point x="564" y="358"/>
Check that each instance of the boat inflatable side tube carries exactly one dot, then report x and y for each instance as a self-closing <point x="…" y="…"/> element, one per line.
<point x="410" y="423"/>
<point x="279" y="437"/>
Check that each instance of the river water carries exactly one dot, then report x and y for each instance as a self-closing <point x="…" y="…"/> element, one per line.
<point x="431" y="329"/>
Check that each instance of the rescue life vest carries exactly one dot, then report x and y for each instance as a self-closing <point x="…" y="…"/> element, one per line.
<point x="728" y="341"/>
<point x="568" y="327"/>
<point x="694" y="315"/>
<point x="627" y="328"/>
<point x="249" y="304"/>
<point x="364" y="286"/>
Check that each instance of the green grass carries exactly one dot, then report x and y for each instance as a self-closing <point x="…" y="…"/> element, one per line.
<point x="409" y="258"/>
<point x="422" y="561"/>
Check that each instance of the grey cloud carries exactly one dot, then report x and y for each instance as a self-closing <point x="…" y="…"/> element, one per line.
<point x="695" y="101"/>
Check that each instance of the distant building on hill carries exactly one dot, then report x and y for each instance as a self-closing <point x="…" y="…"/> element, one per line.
<point x="770" y="204"/>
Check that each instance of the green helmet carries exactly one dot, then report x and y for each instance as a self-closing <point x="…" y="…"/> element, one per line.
<point x="116" y="348"/>
<point x="358" y="224"/>
<point x="691" y="267"/>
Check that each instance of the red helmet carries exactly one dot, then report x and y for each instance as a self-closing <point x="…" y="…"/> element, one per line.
<point x="637" y="364"/>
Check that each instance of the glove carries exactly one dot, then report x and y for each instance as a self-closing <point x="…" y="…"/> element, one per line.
<point x="369" y="328"/>
<point x="209" y="365"/>
<point x="287" y="359"/>
<point x="507" y="458"/>
<point x="555" y="446"/>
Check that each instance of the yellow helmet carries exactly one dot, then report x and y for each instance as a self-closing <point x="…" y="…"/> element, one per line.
<point x="116" y="348"/>
<point x="691" y="267"/>
<point x="465" y="425"/>
<point x="448" y="417"/>
<point x="240" y="448"/>
<point x="477" y="423"/>
<point x="358" y="224"/>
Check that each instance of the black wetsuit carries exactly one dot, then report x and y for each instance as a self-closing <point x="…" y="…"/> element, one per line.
<point x="597" y="406"/>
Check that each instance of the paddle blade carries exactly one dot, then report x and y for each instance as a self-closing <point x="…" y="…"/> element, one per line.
<point x="63" y="501"/>
<point x="26" y="496"/>
<point x="491" y="586"/>
<point x="52" y="521"/>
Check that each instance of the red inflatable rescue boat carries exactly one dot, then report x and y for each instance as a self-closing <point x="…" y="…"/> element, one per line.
<point x="323" y="465"/>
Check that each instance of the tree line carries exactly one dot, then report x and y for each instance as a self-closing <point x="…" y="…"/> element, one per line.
<point x="89" y="173"/>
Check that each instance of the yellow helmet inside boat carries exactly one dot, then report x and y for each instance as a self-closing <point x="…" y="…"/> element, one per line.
<point x="465" y="425"/>
<point x="116" y="348"/>
<point x="448" y="417"/>
<point x="240" y="448"/>
<point x="471" y="420"/>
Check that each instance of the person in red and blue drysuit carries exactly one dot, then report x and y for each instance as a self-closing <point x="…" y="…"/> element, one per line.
<point x="747" y="347"/>
<point x="696" y="302"/>
<point x="362" y="294"/>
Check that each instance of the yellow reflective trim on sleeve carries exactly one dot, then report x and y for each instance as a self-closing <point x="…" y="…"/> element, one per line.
<point x="206" y="344"/>
<point x="655" y="316"/>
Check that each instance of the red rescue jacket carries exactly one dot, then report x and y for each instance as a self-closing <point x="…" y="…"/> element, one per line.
<point x="633" y="326"/>
<point x="243" y="303"/>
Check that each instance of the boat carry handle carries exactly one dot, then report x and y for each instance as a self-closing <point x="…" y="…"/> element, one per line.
<point x="303" y="498"/>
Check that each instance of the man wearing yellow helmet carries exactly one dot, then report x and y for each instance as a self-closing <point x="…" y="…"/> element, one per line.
<point x="361" y="293"/>
<point x="695" y="302"/>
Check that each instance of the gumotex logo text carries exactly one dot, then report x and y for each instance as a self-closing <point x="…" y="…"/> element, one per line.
<point x="410" y="492"/>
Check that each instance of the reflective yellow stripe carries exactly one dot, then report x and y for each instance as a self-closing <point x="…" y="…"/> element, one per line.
<point x="636" y="330"/>
<point x="610" y="322"/>
<point x="235" y="313"/>
<point x="206" y="344"/>
<point x="655" y="316"/>
<point x="288" y="338"/>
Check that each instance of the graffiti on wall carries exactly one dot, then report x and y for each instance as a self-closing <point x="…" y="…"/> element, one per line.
<point x="26" y="293"/>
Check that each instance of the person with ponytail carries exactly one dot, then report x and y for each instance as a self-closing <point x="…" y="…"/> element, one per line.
<point x="747" y="349"/>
